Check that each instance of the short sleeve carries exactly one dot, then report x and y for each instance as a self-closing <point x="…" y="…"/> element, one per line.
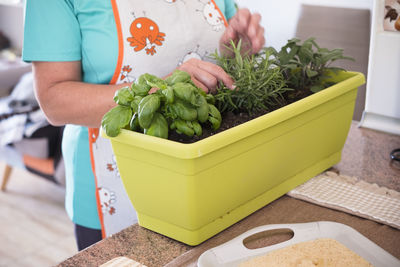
<point x="230" y="9"/>
<point x="51" y="31"/>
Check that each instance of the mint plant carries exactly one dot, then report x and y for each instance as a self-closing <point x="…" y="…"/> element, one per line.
<point x="306" y="66"/>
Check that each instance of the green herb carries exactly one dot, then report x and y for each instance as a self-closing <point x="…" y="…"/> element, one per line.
<point x="116" y="119"/>
<point x="259" y="83"/>
<point x="123" y="96"/>
<point x="178" y="105"/>
<point x="264" y="82"/>
<point x="214" y="116"/>
<point x="183" y="110"/>
<point x="147" y="107"/>
<point x="152" y="81"/>
<point x="202" y="108"/>
<point x="271" y="79"/>
<point x="140" y="89"/>
<point x="186" y="92"/>
<point x="305" y="66"/>
<point x="178" y="76"/>
<point x="158" y="126"/>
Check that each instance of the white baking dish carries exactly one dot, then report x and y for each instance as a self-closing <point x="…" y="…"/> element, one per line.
<point x="234" y="252"/>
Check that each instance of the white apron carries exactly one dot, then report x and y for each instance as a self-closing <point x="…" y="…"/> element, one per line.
<point x="154" y="36"/>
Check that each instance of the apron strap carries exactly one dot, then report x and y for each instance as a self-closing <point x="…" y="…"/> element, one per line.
<point x="93" y="135"/>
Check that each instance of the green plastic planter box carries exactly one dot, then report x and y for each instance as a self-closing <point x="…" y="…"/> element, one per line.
<point x="190" y="192"/>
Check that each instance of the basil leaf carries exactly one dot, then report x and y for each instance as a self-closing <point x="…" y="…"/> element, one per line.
<point x="115" y="119"/>
<point x="140" y="89"/>
<point x="169" y="94"/>
<point x="158" y="126"/>
<point x="202" y="109"/>
<point x="178" y="76"/>
<point x="123" y="96"/>
<point x="183" y="127"/>
<point x="186" y="92"/>
<point x="135" y="103"/>
<point x="152" y="81"/>
<point x="184" y="110"/>
<point x="147" y="107"/>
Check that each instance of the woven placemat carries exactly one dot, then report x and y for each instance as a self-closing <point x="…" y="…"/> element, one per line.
<point x="350" y="195"/>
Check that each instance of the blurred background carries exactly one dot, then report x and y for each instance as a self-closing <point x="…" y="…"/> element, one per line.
<point x="35" y="228"/>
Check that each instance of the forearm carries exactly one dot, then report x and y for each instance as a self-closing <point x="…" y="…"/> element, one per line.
<point x="72" y="102"/>
<point x="65" y="99"/>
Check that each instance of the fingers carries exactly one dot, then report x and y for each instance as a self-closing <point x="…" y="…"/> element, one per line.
<point x="229" y="34"/>
<point x="240" y="21"/>
<point x="207" y="79"/>
<point x="190" y="67"/>
<point x="206" y="75"/>
<point x="204" y="79"/>
<point x="253" y="25"/>
<point x="217" y="72"/>
<point x="200" y="85"/>
<point x="247" y="26"/>
<point x="258" y="41"/>
<point x="255" y="32"/>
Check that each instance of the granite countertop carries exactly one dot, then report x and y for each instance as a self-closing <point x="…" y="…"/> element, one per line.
<point x="365" y="156"/>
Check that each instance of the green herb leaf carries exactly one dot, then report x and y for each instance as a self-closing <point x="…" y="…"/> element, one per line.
<point x="116" y="119"/>
<point x="304" y="66"/>
<point x="134" y="123"/>
<point x="140" y="89"/>
<point x="158" y="126"/>
<point x="259" y="81"/>
<point x="183" y="127"/>
<point x="152" y="81"/>
<point x="169" y="94"/>
<point x="186" y="92"/>
<point x="147" y="107"/>
<point x="197" y="128"/>
<point x="311" y="73"/>
<point x="123" y="96"/>
<point x="184" y="110"/>
<point x="178" y="76"/>
<point x="135" y="103"/>
<point x="202" y="109"/>
<point x="316" y="88"/>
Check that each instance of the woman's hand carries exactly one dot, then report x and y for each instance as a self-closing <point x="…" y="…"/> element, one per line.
<point x="244" y="26"/>
<point x="206" y="75"/>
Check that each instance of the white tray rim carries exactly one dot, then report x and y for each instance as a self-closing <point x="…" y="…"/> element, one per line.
<point x="233" y="252"/>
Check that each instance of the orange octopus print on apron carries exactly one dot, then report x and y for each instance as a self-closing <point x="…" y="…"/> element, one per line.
<point x="154" y="36"/>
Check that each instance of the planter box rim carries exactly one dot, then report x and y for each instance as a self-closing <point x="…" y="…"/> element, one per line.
<point x="212" y="143"/>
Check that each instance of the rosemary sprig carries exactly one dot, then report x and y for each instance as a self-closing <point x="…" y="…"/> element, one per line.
<point x="272" y="79"/>
<point x="259" y="83"/>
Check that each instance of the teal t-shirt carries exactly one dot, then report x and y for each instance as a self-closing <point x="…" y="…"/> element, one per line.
<point x="71" y="30"/>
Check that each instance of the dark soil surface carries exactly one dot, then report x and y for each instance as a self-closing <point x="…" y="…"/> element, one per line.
<point x="230" y="119"/>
